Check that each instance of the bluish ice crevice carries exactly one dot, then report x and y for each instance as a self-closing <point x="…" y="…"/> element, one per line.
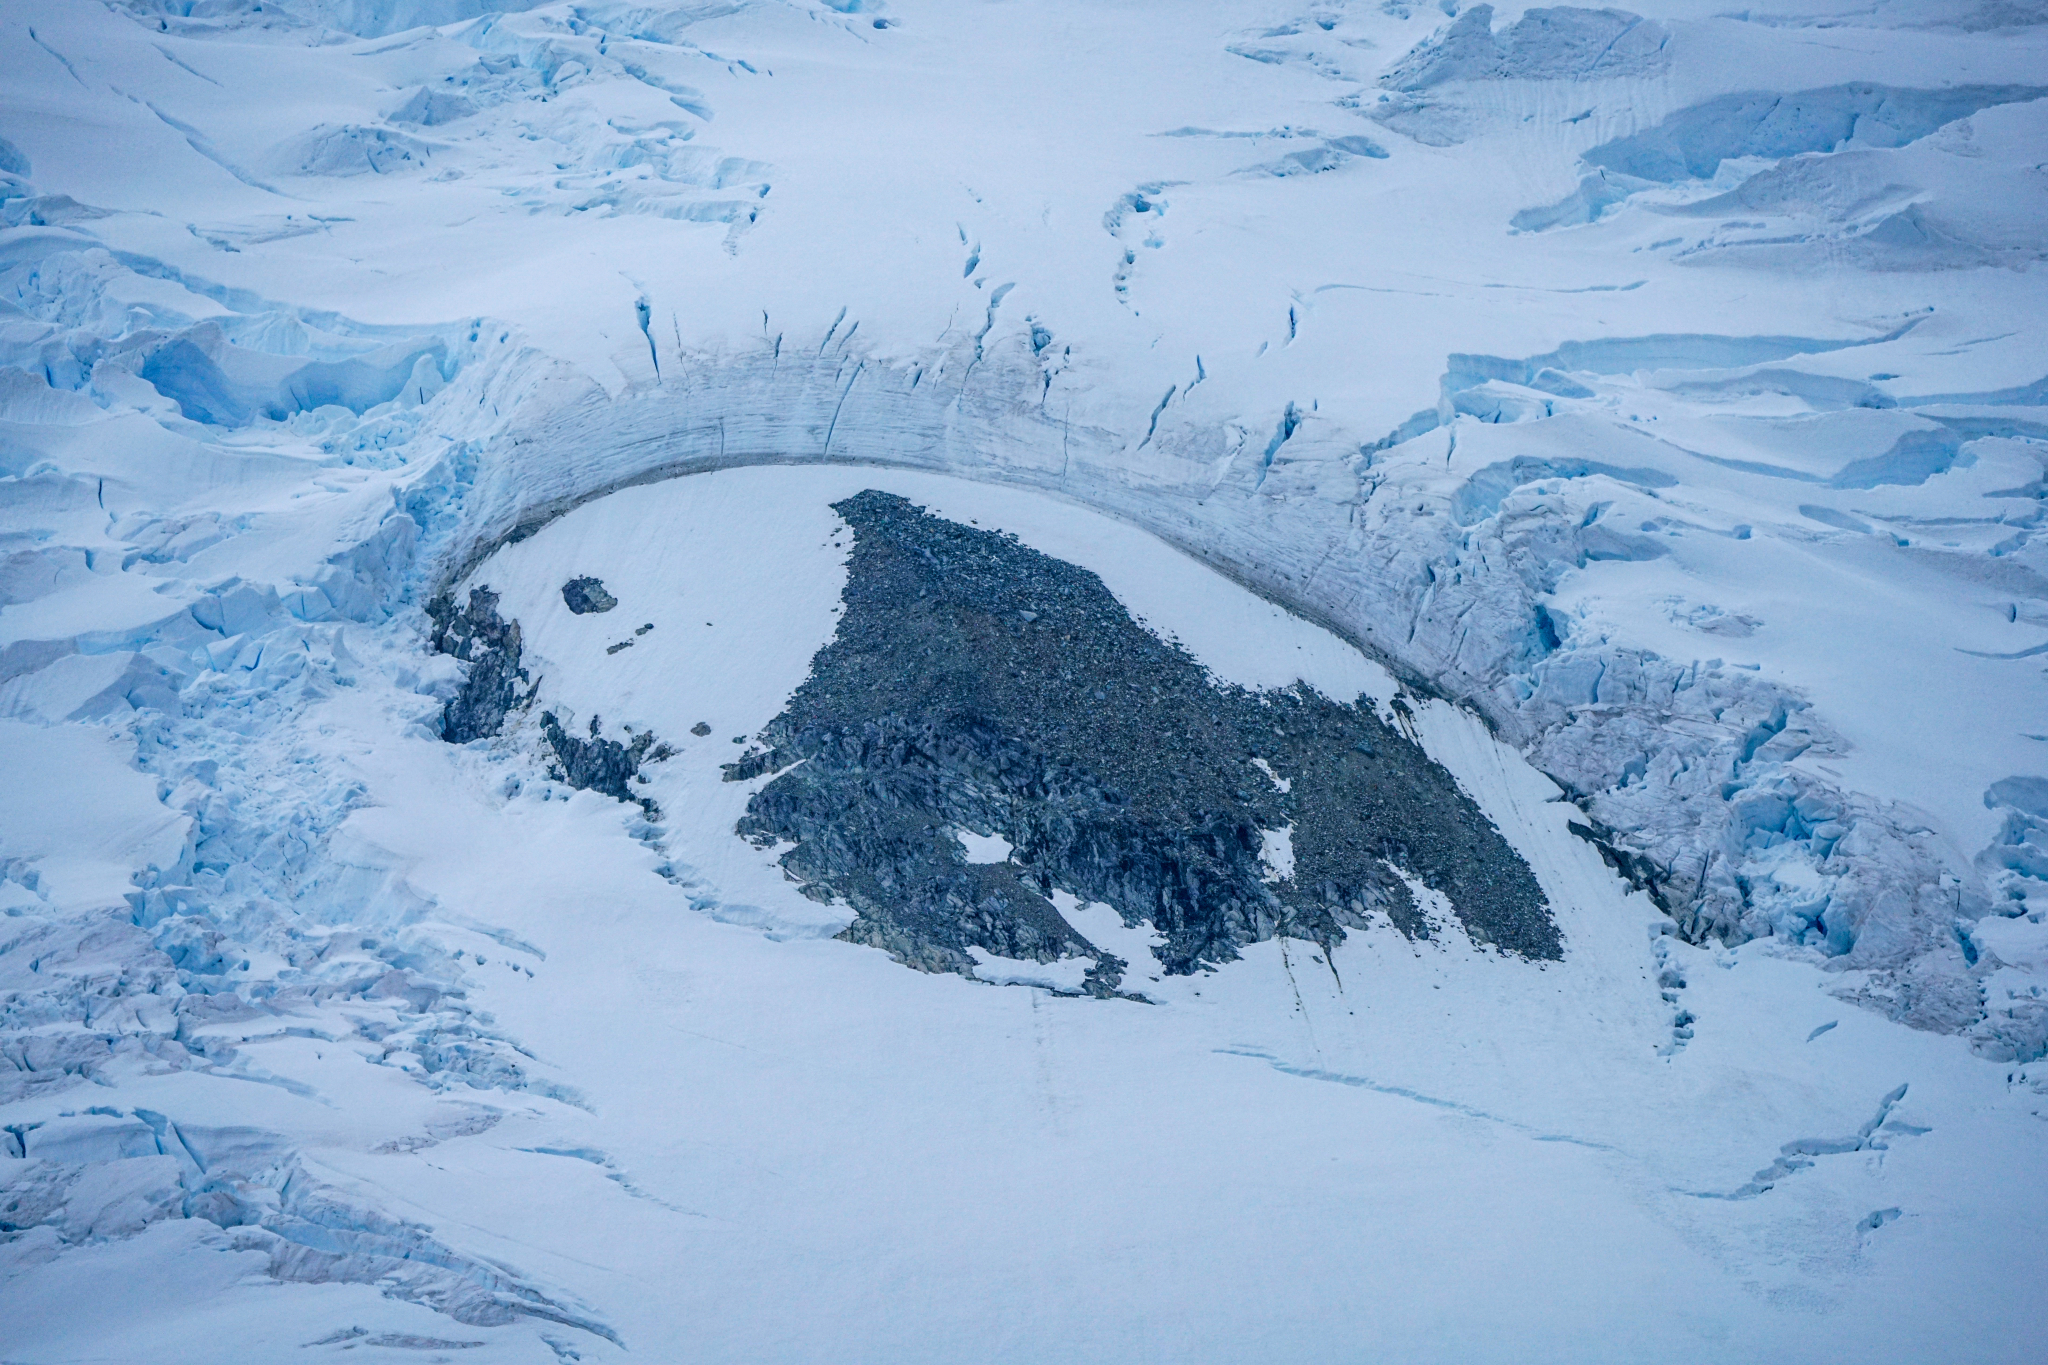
<point x="1913" y="459"/>
<point x="203" y="145"/>
<point x="1142" y="201"/>
<point x="643" y="314"/>
<point x="1327" y="155"/>
<point x="230" y="387"/>
<point x="349" y="149"/>
<point x="1560" y="44"/>
<point x="988" y="322"/>
<point x="1480" y="496"/>
<point x="1595" y="195"/>
<point x="1407" y="1093"/>
<point x="1421" y="424"/>
<point x="1290" y="422"/>
<point x="1692" y="143"/>
<point x="1828" y="516"/>
<point x="1663" y="351"/>
<point x="1799" y="1154"/>
<point x="2032" y="395"/>
<point x="1152" y="427"/>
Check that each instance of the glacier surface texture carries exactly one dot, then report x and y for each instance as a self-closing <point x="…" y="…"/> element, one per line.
<point x="883" y="680"/>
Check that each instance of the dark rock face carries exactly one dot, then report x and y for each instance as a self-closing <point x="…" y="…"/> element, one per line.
<point x="490" y="647"/>
<point x="587" y="595"/>
<point x="977" y="684"/>
<point x="601" y="764"/>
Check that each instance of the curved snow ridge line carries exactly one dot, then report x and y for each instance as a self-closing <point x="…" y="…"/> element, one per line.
<point x="1410" y="591"/>
<point x="614" y="1173"/>
<point x="1059" y="482"/>
<point x="783" y="412"/>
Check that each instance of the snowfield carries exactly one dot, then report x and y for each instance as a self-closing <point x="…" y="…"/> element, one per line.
<point x="1647" y="413"/>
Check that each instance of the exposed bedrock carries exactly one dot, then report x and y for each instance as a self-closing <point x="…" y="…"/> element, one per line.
<point x="1686" y="764"/>
<point x="600" y="764"/>
<point x="977" y="684"/>
<point x="491" y="689"/>
<point x="584" y="596"/>
<point x="474" y="634"/>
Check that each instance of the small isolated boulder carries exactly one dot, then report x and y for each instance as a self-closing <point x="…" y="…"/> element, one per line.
<point x="587" y="595"/>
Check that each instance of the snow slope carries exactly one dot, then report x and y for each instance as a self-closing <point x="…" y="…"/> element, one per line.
<point x="1663" y="392"/>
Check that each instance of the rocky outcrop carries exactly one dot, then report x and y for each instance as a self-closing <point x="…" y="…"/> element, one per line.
<point x="600" y="764"/>
<point x="975" y="684"/>
<point x="586" y="595"/>
<point x="490" y="646"/>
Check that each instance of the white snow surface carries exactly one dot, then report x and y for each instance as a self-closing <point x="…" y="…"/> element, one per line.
<point x="1656" y="400"/>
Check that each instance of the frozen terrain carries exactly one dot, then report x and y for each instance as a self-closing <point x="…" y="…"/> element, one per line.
<point x="1642" y="417"/>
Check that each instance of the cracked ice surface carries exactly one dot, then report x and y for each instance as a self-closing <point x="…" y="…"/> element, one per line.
<point x="1667" y="389"/>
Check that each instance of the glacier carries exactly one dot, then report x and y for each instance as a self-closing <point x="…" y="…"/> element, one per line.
<point x="1653" y="405"/>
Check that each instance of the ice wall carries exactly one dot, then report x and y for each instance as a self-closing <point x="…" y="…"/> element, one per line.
<point x="1689" y="766"/>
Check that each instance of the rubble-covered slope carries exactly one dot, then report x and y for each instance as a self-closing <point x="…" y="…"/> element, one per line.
<point x="975" y="683"/>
